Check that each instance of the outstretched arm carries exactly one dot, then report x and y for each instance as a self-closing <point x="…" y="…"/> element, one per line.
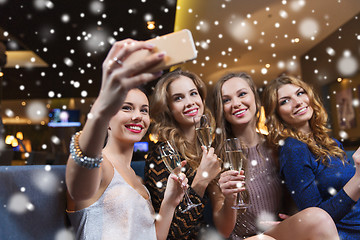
<point x="117" y="80"/>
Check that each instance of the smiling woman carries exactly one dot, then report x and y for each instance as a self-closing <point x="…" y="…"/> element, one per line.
<point x="102" y="186"/>
<point x="314" y="166"/>
<point x="294" y="107"/>
<point x="178" y="102"/>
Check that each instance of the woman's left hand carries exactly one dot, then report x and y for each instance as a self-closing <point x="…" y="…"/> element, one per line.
<point x="356" y="157"/>
<point x="210" y="165"/>
<point x="268" y="224"/>
<point x="230" y="181"/>
<point x="176" y="187"/>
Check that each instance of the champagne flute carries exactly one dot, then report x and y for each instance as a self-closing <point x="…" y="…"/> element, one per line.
<point x="203" y="130"/>
<point x="236" y="159"/>
<point x="172" y="161"/>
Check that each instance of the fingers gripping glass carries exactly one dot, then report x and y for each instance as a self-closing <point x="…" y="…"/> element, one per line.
<point x="203" y="131"/>
<point x="236" y="159"/>
<point x="172" y="161"/>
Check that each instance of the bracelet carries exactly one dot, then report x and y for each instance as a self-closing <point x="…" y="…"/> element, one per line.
<point x="78" y="156"/>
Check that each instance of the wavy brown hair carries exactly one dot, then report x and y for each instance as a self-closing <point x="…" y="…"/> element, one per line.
<point x="319" y="142"/>
<point x="223" y="127"/>
<point x="165" y="126"/>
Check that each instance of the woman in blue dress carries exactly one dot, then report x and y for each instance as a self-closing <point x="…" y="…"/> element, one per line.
<point x="313" y="165"/>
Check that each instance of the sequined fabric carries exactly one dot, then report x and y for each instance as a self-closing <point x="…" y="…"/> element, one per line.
<point x="185" y="225"/>
<point x="120" y="213"/>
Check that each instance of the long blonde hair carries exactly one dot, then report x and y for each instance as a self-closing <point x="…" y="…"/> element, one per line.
<point x="165" y="126"/>
<point x="223" y="127"/>
<point x="319" y="142"/>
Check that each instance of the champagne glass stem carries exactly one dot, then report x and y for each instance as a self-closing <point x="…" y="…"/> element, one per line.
<point x="189" y="204"/>
<point x="172" y="161"/>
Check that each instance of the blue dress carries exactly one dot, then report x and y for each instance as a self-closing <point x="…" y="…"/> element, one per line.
<point x="312" y="184"/>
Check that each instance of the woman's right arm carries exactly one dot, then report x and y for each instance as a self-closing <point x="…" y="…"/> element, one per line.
<point x="156" y="177"/>
<point x="224" y="198"/>
<point x="117" y="79"/>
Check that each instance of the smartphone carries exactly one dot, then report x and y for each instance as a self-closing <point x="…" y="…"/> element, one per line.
<point x="179" y="47"/>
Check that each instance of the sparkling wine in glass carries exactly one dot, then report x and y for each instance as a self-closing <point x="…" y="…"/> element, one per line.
<point x="203" y="130"/>
<point x="236" y="159"/>
<point x="172" y="161"/>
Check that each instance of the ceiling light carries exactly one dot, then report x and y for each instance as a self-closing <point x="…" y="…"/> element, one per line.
<point x="20" y="135"/>
<point x="9" y="139"/>
<point x="151" y="25"/>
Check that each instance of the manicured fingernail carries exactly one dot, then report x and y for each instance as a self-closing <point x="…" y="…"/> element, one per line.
<point x="161" y="55"/>
<point x="150" y="45"/>
<point x="158" y="74"/>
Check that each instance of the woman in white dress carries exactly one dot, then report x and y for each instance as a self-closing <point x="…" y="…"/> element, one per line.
<point x="106" y="200"/>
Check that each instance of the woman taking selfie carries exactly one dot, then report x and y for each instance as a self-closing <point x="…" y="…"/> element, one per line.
<point x="106" y="200"/>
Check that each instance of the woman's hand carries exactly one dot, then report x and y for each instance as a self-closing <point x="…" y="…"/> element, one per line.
<point x="210" y="165"/>
<point x="208" y="170"/>
<point x="356" y="157"/>
<point x="174" y="193"/>
<point x="283" y="216"/>
<point x="176" y="187"/>
<point x="352" y="186"/>
<point x="118" y="78"/>
<point x="231" y="183"/>
<point x="268" y="224"/>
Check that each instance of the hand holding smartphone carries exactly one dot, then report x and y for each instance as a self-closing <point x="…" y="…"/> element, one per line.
<point x="178" y="46"/>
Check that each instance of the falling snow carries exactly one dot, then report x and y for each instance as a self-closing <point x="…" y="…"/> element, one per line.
<point x="36" y="111"/>
<point x="343" y="134"/>
<point x="347" y="65"/>
<point x="55" y="140"/>
<point x="18" y="203"/>
<point x="159" y="185"/>
<point x="64" y="234"/>
<point x="47" y="182"/>
<point x="332" y="191"/>
<point x="96" y="37"/>
<point x="264" y="220"/>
